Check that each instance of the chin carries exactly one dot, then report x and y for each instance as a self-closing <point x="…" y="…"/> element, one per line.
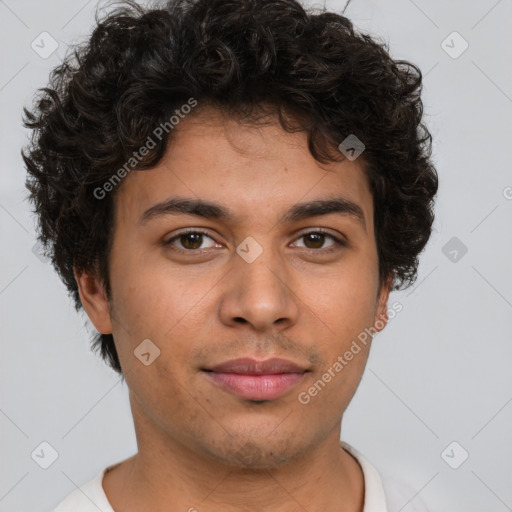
<point x="258" y="453"/>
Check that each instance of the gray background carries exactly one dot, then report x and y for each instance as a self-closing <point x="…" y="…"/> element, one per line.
<point x="440" y="372"/>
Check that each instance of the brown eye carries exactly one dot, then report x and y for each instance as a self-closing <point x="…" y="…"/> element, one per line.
<point x="315" y="240"/>
<point x="191" y="241"/>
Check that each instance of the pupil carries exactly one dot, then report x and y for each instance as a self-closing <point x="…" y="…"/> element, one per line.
<point x="317" y="240"/>
<point x="195" y="238"/>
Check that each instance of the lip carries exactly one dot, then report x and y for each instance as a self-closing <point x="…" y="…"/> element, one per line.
<point x="256" y="380"/>
<point x="250" y="366"/>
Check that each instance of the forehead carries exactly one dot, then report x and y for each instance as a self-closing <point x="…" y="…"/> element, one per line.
<point x="253" y="169"/>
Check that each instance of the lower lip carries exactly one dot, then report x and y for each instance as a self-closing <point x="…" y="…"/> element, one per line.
<point x="256" y="387"/>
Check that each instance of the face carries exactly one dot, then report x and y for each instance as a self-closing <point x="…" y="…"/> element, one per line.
<point x="258" y="275"/>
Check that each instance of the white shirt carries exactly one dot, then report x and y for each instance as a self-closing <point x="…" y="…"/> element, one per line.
<point x="91" y="497"/>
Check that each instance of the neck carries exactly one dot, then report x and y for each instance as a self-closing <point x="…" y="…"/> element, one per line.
<point x="173" y="474"/>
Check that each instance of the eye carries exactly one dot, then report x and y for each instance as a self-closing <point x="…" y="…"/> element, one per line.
<point x="194" y="240"/>
<point x="315" y="240"/>
<point x="191" y="240"/>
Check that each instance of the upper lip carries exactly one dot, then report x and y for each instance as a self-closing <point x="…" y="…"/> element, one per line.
<point x="249" y="366"/>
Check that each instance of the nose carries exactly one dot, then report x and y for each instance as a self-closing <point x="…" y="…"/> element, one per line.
<point x="260" y="294"/>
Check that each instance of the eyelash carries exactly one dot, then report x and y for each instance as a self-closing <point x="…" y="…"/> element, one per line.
<point x="338" y="242"/>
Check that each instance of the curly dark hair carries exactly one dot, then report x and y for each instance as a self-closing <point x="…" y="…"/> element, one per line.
<point x="310" y="69"/>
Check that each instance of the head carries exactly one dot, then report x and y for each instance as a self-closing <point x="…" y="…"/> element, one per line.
<point x="229" y="120"/>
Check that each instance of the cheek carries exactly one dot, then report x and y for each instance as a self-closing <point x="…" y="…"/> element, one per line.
<point x="147" y="291"/>
<point x="344" y="299"/>
<point x="340" y="335"/>
<point x="163" y="395"/>
<point x="160" y="303"/>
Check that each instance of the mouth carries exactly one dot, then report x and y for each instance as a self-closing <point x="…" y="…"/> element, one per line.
<point x="256" y="380"/>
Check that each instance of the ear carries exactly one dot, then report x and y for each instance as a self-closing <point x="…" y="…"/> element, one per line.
<point x="94" y="300"/>
<point x="381" y="313"/>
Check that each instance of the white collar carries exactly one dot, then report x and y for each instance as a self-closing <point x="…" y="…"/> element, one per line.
<point x="92" y="497"/>
<point x="374" y="497"/>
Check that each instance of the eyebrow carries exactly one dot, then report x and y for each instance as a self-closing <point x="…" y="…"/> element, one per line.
<point x="216" y="211"/>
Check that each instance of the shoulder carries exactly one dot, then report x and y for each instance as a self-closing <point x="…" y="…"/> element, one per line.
<point x="89" y="497"/>
<point x="384" y="492"/>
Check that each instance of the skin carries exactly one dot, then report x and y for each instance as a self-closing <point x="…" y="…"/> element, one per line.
<point x="200" y="447"/>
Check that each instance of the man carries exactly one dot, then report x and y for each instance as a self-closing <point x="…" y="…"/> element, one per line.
<point x="231" y="190"/>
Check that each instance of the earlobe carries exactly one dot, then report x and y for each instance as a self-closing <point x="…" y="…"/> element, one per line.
<point x="94" y="300"/>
